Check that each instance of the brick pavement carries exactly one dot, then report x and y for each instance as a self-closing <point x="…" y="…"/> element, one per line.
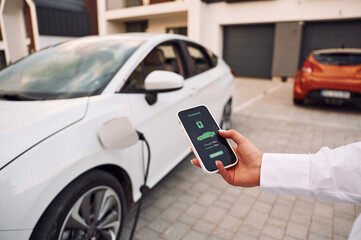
<point x="188" y="204"/>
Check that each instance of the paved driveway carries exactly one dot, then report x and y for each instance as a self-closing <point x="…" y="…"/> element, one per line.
<point x="187" y="204"/>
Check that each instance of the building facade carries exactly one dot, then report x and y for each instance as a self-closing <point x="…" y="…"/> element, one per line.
<point x="18" y="25"/>
<point x="29" y="25"/>
<point x="259" y="39"/>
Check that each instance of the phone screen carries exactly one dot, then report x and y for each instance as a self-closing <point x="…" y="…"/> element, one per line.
<point x="203" y="133"/>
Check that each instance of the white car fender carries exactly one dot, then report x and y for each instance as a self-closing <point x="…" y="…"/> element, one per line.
<point x="26" y="123"/>
<point x="30" y="183"/>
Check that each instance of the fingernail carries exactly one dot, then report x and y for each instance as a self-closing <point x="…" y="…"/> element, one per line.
<point x="192" y="162"/>
<point x="221" y="130"/>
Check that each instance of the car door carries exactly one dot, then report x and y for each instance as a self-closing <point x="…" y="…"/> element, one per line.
<point x="154" y="114"/>
<point x="211" y="80"/>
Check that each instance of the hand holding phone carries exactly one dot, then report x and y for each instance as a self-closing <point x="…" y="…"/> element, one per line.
<point x="202" y="132"/>
<point x="247" y="172"/>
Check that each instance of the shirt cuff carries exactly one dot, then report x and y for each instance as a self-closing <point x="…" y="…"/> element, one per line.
<point x="286" y="173"/>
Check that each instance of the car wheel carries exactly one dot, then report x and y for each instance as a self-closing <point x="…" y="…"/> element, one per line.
<point x="226" y="117"/>
<point x="91" y="207"/>
<point x="298" y="101"/>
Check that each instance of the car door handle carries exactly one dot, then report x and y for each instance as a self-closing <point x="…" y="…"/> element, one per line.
<point x="193" y="90"/>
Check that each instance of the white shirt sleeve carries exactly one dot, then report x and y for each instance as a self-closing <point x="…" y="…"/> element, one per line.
<point x="329" y="175"/>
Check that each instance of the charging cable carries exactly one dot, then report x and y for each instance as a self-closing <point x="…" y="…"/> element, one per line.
<point x="144" y="189"/>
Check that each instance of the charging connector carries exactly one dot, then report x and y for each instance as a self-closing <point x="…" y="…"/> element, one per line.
<point x="144" y="189"/>
<point x="141" y="136"/>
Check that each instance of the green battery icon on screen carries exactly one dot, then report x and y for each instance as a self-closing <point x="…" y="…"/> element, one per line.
<point x="199" y="124"/>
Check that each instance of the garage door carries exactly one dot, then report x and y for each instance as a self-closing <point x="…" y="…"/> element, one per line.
<point x="318" y="35"/>
<point x="248" y="49"/>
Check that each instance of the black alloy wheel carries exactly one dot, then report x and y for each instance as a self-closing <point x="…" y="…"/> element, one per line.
<point x="92" y="207"/>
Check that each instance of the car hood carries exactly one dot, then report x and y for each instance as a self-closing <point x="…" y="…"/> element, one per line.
<point x="23" y="124"/>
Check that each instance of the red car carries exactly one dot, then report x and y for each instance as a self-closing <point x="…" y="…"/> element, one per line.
<point x="332" y="75"/>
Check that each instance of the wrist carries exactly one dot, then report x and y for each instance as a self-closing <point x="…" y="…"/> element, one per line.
<point x="258" y="170"/>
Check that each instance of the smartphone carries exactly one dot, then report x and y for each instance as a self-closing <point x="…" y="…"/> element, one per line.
<point x="202" y="132"/>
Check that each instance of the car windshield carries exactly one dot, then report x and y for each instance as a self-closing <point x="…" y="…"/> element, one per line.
<point x="78" y="68"/>
<point x="350" y="59"/>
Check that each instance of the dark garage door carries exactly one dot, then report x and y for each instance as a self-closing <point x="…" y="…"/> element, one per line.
<point x="248" y="49"/>
<point x="318" y="35"/>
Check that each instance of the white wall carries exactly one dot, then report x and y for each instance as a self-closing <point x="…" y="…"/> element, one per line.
<point x="13" y="29"/>
<point x="159" y="24"/>
<point x="114" y="27"/>
<point x="219" y="14"/>
<point x="205" y="21"/>
<point x="174" y="13"/>
<point x="12" y="21"/>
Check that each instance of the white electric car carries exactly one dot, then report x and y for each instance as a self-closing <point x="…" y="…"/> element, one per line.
<point x="70" y="166"/>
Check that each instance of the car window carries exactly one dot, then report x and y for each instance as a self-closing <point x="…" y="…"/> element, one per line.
<point x="350" y="59"/>
<point x="164" y="57"/>
<point x="199" y="58"/>
<point x="213" y="58"/>
<point x="77" y="68"/>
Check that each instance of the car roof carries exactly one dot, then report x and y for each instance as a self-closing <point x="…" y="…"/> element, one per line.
<point x="142" y="36"/>
<point x="337" y="50"/>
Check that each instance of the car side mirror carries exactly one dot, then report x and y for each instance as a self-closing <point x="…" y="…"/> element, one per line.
<point x="118" y="134"/>
<point x="163" y="81"/>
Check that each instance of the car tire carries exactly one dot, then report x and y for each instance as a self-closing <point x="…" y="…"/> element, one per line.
<point x="298" y="101"/>
<point x="91" y="207"/>
<point x="226" y="117"/>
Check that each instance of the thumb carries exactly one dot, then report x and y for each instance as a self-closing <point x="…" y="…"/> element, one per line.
<point x="223" y="172"/>
<point x="232" y="134"/>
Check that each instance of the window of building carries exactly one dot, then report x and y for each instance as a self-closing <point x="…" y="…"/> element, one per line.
<point x="177" y="30"/>
<point x="137" y="26"/>
<point x="159" y="1"/>
<point x="133" y="3"/>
